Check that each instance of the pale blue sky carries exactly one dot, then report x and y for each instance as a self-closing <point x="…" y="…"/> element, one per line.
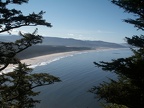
<point x="82" y="19"/>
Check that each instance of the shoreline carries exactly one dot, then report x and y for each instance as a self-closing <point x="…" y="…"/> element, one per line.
<point x="40" y="60"/>
<point x="46" y="59"/>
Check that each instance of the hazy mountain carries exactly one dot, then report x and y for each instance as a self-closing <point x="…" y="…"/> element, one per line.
<point x="38" y="50"/>
<point x="10" y="38"/>
<point x="127" y="45"/>
<point x="55" y="45"/>
<point x="78" y="43"/>
<point x="54" y="41"/>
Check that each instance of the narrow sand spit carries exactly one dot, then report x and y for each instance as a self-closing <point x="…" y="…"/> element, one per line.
<point x="42" y="60"/>
<point x="52" y="57"/>
<point x="48" y="58"/>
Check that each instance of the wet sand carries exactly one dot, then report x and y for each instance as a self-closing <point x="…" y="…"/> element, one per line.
<point x="49" y="57"/>
<point x="39" y="60"/>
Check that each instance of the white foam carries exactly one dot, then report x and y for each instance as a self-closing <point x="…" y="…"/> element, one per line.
<point x="43" y="62"/>
<point x="50" y="61"/>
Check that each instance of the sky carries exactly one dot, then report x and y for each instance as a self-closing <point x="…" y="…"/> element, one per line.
<point x="81" y="19"/>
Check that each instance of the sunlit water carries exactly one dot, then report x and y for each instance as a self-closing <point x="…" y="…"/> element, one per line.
<point x="78" y="75"/>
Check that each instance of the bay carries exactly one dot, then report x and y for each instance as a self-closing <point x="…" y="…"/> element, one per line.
<point x="78" y="75"/>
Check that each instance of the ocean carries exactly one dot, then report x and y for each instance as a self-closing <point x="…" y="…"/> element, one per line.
<point x="78" y="75"/>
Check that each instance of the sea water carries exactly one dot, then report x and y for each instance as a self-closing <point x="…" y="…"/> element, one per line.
<point x="78" y="75"/>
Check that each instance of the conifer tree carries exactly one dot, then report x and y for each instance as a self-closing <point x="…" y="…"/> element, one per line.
<point x="128" y="90"/>
<point x="16" y="87"/>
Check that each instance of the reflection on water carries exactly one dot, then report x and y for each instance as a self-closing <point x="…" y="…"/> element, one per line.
<point x="78" y="75"/>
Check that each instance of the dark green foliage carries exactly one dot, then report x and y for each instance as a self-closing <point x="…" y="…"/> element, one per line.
<point x="114" y="106"/>
<point x="120" y="92"/>
<point x="137" y="41"/>
<point x="12" y="18"/>
<point x="8" y="50"/>
<point x="131" y="67"/>
<point x="135" y="7"/>
<point x="128" y="90"/>
<point x="16" y="87"/>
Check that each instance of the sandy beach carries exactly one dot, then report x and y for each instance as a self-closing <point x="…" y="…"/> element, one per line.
<point x="49" y="58"/>
<point x="40" y="60"/>
<point x="44" y="59"/>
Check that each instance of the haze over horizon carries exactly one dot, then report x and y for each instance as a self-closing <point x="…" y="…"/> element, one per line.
<point x="80" y="19"/>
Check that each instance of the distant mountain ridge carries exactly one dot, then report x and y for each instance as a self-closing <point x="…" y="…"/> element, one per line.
<point x="68" y="42"/>
<point x="52" y="45"/>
